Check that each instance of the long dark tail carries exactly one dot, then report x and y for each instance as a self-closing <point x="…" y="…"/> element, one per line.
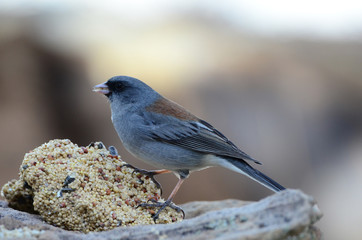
<point x="255" y="174"/>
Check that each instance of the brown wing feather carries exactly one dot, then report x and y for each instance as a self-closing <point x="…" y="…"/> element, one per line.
<point x="167" y="107"/>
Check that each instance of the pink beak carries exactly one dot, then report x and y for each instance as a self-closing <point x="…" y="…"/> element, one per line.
<point x="101" y="88"/>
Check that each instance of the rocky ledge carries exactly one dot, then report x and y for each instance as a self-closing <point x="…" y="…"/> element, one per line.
<point x="289" y="214"/>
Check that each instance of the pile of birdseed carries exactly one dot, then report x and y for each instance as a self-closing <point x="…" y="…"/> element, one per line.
<point x="84" y="188"/>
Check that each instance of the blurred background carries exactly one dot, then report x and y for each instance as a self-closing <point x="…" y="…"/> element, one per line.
<point x="281" y="79"/>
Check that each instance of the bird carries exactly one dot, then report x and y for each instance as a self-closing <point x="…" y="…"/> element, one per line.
<point x="166" y="135"/>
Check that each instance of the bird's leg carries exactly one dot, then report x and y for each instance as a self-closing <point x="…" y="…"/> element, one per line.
<point x="150" y="173"/>
<point x="167" y="203"/>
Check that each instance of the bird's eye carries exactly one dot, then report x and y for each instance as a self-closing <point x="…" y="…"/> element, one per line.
<point x="120" y="86"/>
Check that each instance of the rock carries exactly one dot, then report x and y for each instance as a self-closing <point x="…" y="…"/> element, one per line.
<point x="198" y="208"/>
<point x="289" y="214"/>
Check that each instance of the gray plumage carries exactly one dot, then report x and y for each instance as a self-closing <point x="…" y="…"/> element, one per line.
<point x="165" y="135"/>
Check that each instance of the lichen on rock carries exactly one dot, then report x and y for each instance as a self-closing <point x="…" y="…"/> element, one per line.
<point x="84" y="188"/>
<point x="20" y="233"/>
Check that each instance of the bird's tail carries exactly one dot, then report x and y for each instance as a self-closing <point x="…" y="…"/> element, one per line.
<point x="256" y="175"/>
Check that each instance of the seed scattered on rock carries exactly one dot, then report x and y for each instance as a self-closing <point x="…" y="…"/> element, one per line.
<point x="59" y="194"/>
<point x="68" y="180"/>
<point x="85" y="150"/>
<point x="113" y="151"/>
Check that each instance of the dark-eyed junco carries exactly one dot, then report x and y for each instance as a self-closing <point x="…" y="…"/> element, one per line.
<point x="164" y="134"/>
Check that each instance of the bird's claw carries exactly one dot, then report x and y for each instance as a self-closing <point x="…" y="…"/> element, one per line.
<point x="150" y="174"/>
<point x="162" y="206"/>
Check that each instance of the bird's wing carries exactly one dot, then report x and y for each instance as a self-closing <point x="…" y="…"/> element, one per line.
<point x="197" y="135"/>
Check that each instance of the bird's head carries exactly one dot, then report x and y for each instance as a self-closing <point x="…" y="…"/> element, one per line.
<point x="123" y="90"/>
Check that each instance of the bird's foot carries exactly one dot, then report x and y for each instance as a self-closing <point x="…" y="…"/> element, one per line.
<point x="150" y="174"/>
<point x="162" y="206"/>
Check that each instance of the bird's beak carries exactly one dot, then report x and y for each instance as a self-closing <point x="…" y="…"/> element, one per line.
<point x="101" y="88"/>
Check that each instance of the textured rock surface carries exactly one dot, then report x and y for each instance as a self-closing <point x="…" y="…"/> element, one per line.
<point x="285" y="215"/>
